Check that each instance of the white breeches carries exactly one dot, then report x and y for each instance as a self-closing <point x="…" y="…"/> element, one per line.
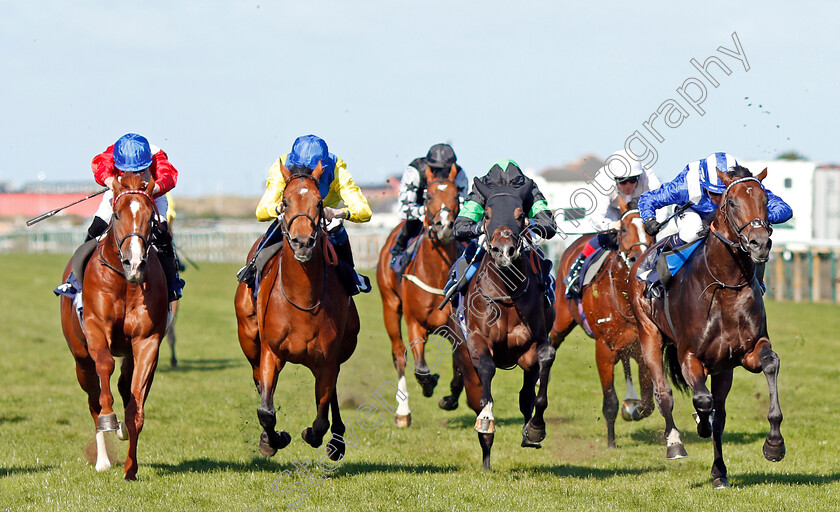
<point x="105" y="209"/>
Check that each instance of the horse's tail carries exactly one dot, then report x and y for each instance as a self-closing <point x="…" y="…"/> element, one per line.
<point x="673" y="369"/>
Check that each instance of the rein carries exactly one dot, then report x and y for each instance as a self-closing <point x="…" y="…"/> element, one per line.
<point x="754" y="224"/>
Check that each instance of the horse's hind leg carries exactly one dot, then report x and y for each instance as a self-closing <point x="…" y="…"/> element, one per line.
<point x="527" y="397"/>
<point x="605" y="359"/>
<point x="325" y="380"/>
<point x="456" y="386"/>
<point x="695" y="376"/>
<point x="762" y="357"/>
<point x="646" y="388"/>
<point x="631" y="405"/>
<point x="124" y="388"/>
<point x="427" y="380"/>
<point x="89" y="381"/>
<point x="268" y="369"/>
<point x="721" y="384"/>
<point x="100" y="353"/>
<point x="535" y="429"/>
<point x="336" y="445"/>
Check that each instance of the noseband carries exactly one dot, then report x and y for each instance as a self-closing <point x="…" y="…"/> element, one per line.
<point x="625" y="254"/>
<point x="756" y="223"/>
<point x="285" y="225"/>
<point x="118" y="243"/>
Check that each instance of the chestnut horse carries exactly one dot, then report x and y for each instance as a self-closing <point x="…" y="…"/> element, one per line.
<point x="417" y="294"/>
<point x="301" y="315"/>
<point x="506" y="322"/>
<point x="125" y="315"/>
<point x="610" y="318"/>
<point x="712" y="319"/>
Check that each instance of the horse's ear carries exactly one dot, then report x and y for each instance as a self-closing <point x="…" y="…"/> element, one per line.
<point x="483" y="189"/>
<point x="430" y="176"/>
<point x="117" y="185"/>
<point x="319" y="170"/>
<point x="622" y="204"/>
<point x="150" y="186"/>
<point x="453" y="172"/>
<point x="726" y="179"/>
<point x="285" y="172"/>
<point x="762" y="175"/>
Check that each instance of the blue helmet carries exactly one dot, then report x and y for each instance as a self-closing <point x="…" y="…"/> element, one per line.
<point x="307" y="151"/>
<point x="708" y="175"/>
<point x="132" y="153"/>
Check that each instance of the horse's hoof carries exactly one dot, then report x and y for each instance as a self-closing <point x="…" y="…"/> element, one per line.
<point x="676" y="451"/>
<point x="402" y="421"/>
<point x="104" y="465"/>
<point x="721" y="483"/>
<point x="773" y="453"/>
<point x="485" y="426"/>
<point x="704" y="428"/>
<point x="107" y="423"/>
<point x="448" y="403"/>
<point x="335" y="449"/>
<point x="282" y="440"/>
<point x="122" y="432"/>
<point x="533" y="434"/>
<point x="266" y="450"/>
<point x="308" y="435"/>
<point x="174" y="363"/>
<point x="529" y="444"/>
<point x="428" y="384"/>
<point x="631" y="410"/>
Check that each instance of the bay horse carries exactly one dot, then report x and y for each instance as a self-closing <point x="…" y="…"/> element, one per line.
<point x="124" y="315"/>
<point x="609" y="318"/>
<point x="417" y="293"/>
<point x="301" y="315"/>
<point x="506" y="322"/>
<point x="712" y="319"/>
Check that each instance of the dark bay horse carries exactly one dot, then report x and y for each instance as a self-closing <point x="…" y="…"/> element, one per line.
<point x="712" y="319"/>
<point x="606" y="306"/>
<point x="301" y="315"/>
<point x="125" y="315"/>
<point x="506" y="320"/>
<point x="417" y="294"/>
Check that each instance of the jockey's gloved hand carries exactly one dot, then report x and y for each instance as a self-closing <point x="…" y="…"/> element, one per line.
<point x="615" y="225"/>
<point x="478" y="229"/>
<point x="652" y="226"/>
<point x="334" y="213"/>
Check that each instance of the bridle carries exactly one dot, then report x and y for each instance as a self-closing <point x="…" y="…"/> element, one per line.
<point x="624" y="254"/>
<point x="286" y="224"/>
<point x="435" y="218"/>
<point x="119" y="243"/>
<point x="743" y="239"/>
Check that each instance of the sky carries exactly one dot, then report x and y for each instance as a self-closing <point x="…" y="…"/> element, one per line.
<point x="225" y="87"/>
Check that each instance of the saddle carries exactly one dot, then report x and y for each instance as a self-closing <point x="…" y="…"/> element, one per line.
<point x="591" y="266"/>
<point x="401" y="261"/>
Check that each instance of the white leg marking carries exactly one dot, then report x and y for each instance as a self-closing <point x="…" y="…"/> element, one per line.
<point x="402" y="398"/>
<point x="487" y="412"/>
<point x="673" y="438"/>
<point x="630" y="391"/>
<point x="102" y="461"/>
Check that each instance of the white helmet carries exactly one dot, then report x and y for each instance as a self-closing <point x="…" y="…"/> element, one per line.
<point x="622" y="165"/>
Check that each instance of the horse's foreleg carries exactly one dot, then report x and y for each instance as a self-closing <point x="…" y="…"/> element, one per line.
<point x="695" y="376"/>
<point x="124" y="388"/>
<point x="605" y="359"/>
<point x="535" y="430"/>
<point x="646" y="388"/>
<point x="418" y="336"/>
<point x="143" y="374"/>
<point x="762" y="357"/>
<point x="325" y="380"/>
<point x="268" y="368"/>
<point x="393" y="325"/>
<point x="456" y="386"/>
<point x="721" y="384"/>
<point x="651" y="342"/>
<point x="485" y="423"/>
<point x="104" y="362"/>
<point x="89" y="381"/>
<point x="527" y="398"/>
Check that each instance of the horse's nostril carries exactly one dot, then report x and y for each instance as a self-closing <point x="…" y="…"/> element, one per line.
<point x="126" y="262"/>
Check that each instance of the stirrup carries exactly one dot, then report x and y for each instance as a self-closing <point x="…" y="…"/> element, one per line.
<point x="247" y="273"/>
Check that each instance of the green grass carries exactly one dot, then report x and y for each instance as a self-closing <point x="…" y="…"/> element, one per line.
<point x="198" y="450"/>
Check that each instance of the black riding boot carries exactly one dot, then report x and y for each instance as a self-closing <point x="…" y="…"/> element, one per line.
<point x="166" y="255"/>
<point x="97" y="227"/>
<point x="572" y="285"/>
<point x="354" y="283"/>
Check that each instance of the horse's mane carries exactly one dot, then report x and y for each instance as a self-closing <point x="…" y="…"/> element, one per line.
<point x="740" y="171"/>
<point x="132" y="181"/>
<point x="297" y="170"/>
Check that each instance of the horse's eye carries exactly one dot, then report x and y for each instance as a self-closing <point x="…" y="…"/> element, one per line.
<point x="730" y="203"/>
<point x="116" y="216"/>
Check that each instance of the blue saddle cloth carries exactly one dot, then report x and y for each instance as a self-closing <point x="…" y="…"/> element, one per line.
<point x="400" y="261"/>
<point x="660" y="266"/>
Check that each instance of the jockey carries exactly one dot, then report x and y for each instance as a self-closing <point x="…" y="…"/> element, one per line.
<point x="336" y="185"/>
<point x="133" y="153"/>
<point x="440" y="160"/>
<point x="699" y="184"/>
<point x="631" y="182"/>
<point x="468" y="224"/>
